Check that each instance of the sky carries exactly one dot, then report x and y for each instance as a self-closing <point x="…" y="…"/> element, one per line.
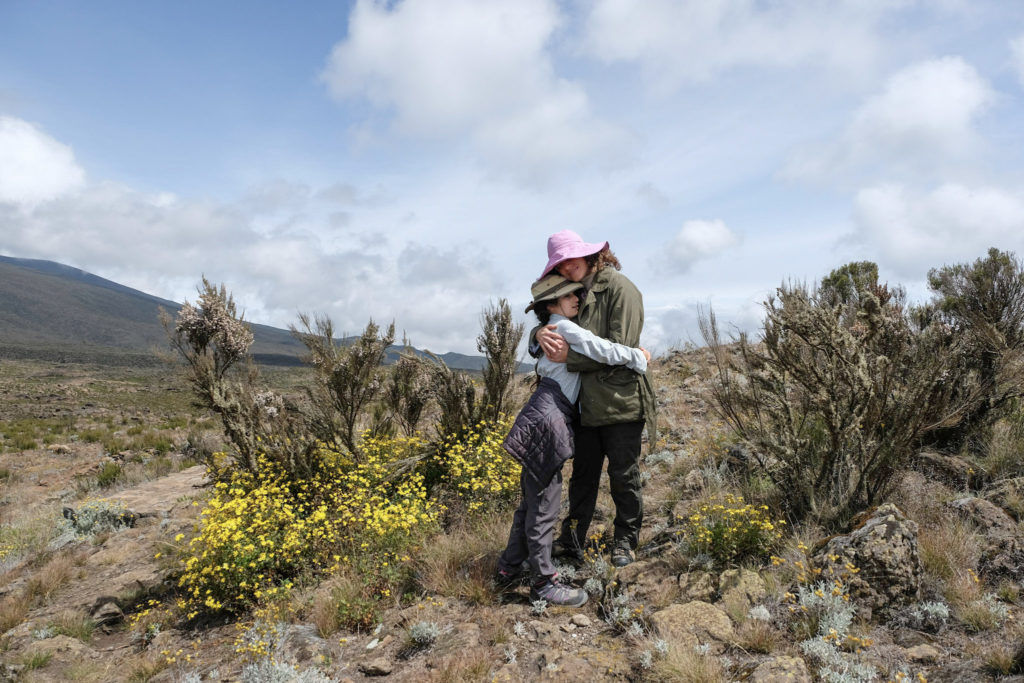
<point x="407" y="160"/>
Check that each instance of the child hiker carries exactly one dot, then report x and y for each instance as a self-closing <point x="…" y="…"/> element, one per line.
<point x="541" y="441"/>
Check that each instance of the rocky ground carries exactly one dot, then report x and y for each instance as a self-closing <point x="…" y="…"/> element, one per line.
<point x="78" y="628"/>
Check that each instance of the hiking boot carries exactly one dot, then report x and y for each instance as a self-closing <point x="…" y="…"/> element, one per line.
<point x="556" y="593"/>
<point x="570" y="552"/>
<point x="621" y="556"/>
<point x="505" y="579"/>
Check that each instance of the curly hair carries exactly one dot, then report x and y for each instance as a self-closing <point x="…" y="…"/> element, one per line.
<point x="605" y="257"/>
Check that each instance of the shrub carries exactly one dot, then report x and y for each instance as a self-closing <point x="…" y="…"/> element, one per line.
<point x="109" y="474"/>
<point x="983" y="303"/>
<point x="261" y="530"/>
<point x="729" y="530"/>
<point x="474" y="469"/>
<point x="837" y="394"/>
<point x="348" y="378"/>
<point x="498" y="341"/>
<point x="406" y="391"/>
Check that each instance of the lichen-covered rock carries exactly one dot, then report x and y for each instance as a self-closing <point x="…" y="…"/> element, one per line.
<point x="884" y="553"/>
<point x="990" y="519"/>
<point x="741" y="587"/>
<point x="1003" y="558"/>
<point x="650" y="581"/>
<point x="1008" y="494"/>
<point x="700" y="621"/>
<point x="781" y="670"/>
<point x="953" y="471"/>
<point x="697" y="586"/>
<point x="583" y="666"/>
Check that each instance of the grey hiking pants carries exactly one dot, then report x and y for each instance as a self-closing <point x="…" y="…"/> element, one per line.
<point x="533" y="527"/>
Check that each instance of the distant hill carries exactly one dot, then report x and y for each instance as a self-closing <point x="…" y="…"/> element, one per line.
<point x="52" y="311"/>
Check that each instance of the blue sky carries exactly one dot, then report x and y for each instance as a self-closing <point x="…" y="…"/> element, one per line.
<point x="407" y="160"/>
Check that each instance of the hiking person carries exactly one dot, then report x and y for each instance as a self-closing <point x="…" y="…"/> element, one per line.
<point x="541" y="440"/>
<point x="615" y="403"/>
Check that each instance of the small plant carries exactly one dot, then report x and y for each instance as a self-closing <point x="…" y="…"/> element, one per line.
<point x="729" y="530"/>
<point x="36" y="660"/>
<point x="422" y="634"/>
<point x="927" y="616"/>
<point x="109" y="475"/>
<point x="984" y="614"/>
<point x="97" y="517"/>
<point x="538" y="607"/>
<point x="510" y="653"/>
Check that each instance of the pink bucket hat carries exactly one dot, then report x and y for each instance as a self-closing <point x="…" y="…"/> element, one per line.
<point x="565" y="245"/>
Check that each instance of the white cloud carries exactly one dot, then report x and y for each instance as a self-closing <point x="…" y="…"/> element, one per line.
<point x="912" y="232"/>
<point x="922" y="120"/>
<point x="696" y="240"/>
<point x="676" y="42"/>
<point x="446" y="68"/>
<point x="1017" y="57"/>
<point x="33" y="166"/>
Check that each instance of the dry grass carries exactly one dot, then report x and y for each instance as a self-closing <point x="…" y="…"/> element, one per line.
<point x="13" y="611"/>
<point x="74" y="624"/>
<point x="43" y="583"/>
<point x="467" y="666"/>
<point x="144" y="668"/>
<point x="754" y="635"/>
<point x="682" y="664"/>
<point x="342" y="603"/>
<point x="461" y="563"/>
<point x="88" y="672"/>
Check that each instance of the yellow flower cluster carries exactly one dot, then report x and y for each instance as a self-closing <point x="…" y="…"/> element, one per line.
<point x="262" y="530"/>
<point x="729" y="529"/>
<point x="475" y="468"/>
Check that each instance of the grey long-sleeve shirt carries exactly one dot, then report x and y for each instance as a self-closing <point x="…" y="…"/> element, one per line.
<point x="590" y="345"/>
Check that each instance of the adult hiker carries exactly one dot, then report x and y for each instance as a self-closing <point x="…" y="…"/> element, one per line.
<point x="542" y="440"/>
<point x="615" y="403"/>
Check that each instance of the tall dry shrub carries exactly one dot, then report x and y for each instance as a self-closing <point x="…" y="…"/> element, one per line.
<point x="348" y="378"/>
<point x="498" y="340"/>
<point x="213" y="340"/>
<point x="836" y="393"/>
<point x="983" y="302"/>
<point x="406" y="391"/>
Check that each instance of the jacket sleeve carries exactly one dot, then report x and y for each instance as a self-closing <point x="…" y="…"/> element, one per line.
<point x="596" y="348"/>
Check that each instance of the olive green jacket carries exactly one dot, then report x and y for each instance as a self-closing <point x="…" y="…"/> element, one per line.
<point x="613" y="309"/>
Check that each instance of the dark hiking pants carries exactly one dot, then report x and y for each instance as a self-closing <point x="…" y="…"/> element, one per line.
<point x="620" y="443"/>
<point x="533" y="527"/>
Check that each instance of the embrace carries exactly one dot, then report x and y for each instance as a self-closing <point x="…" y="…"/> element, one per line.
<point x="592" y="403"/>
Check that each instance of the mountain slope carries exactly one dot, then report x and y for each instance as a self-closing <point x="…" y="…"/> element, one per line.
<point x="53" y="311"/>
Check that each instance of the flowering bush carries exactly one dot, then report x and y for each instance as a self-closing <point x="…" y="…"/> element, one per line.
<point x="474" y="468"/>
<point x="729" y="530"/>
<point x="262" y="529"/>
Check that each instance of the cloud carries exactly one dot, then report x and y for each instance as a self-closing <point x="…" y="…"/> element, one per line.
<point x="912" y="231"/>
<point x="696" y="241"/>
<point x="922" y="121"/>
<point x="445" y="68"/>
<point x="677" y="42"/>
<point x="1017" y="57"/>
<point x="34" y="167"/>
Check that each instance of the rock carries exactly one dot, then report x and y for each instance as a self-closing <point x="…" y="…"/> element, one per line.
<point x="781" y="670"/>
<point x="467" y="634"/>
<point x="59" y="448"/>
<point x="923" y="654"/>
<point x="379" y="666"/>
<point x="651" y="581"/>
<point x="741" y="586"/>
<point x="697" y="586"/>
<point x="693" y="482"/>
<point x="1009" y="495"/>
<point x="581" y="620"/>
<point x="302" y="643"/>
<point x="107" y="613"/>
<point x="986" y="515"/>
<point x="954" y="472"/>
<point x="60" y="648"/>
<point x="568" y="627"/>
<point x="586" y="665"/>
<point x="541" y="632"/>
<point x="704" y="622"/>
<point x="1003" y="557"/>
<point x="884" y="553"/>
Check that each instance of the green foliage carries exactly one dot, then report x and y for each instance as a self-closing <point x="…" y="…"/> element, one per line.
<point x="837" y="394"/>
<point x="406" y="391"/>
<point x="731" y="530"/>
<point x="109" y="475"/>
<point x="499" y="338"/>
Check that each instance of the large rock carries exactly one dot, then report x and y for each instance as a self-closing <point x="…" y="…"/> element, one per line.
<point x="781" y="670"/>
<point x="953" y="471"/>
<point x="884" y="552"/>
<point x="583" y="666"/>
<point x="697" y="586"/>
<point x="695" y="623"/>
<point x="1009" y="495"/>
<point x="741" y="587"/>
<point x="986" y="515"/>
<point x="653" y="582"/>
